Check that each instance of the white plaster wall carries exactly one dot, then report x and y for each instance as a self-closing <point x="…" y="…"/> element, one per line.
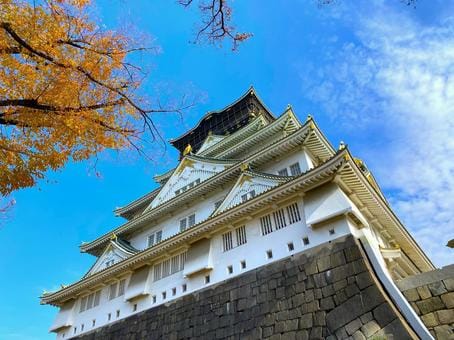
<point x="253" y="252"/>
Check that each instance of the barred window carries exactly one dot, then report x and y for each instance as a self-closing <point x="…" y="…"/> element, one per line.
<point x="241" y="235"/>
<point x="121" y="287"/>
<point x="166" y="268"/>
<point x="154" y="238"/>
<point x="113" y="291"/>
<point x="83" y="304"/>
<point x="295" y="169"/>
<point x="279" y="219"/>
<point x="97" y="298"/>
<point x="283" y="172"/>
<point x="227" y="241"/>
<point x="191" y="220"/>
<point x="175" y="264"/>
<point x="183" y="224"/>
<point x="293" y="213"/>
<point x="244" y="198"/>
<point x="157" y="272"/>
<point x="169" y="266"/>
<point x="265" y="222"/>
<point x="90" y="301"/>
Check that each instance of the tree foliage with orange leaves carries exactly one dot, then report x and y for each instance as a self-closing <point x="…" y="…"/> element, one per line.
<point x="67" y="90"/>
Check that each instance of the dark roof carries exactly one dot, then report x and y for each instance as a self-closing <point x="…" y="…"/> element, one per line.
<point x="126" y="245"/>
<point x="225" y="121"/>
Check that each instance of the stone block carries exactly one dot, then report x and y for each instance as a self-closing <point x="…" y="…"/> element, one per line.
<point x="370" y="328"/>
<point x="363" y="280"/>
<point x="327" y="303"/>
<point x="449" y="284"/>
<point x="291" y="325"/>
<point x="437" y="288"/>
<point x="443" y="332"/>
<point x="358" y="336"/>
<point x="411" y="295"/>
<point x="424" y="292"/>
<point x="351" y="290"/>
<point x="445" y="316"/>
<point x="365" y="318"/>
<point x="324" y="263"/>
<point x="302" y="335"/>
<point x="339" y="285"/>
<point x="316" y="333"/>
<point x="288" y="336"/>
<point x="320" y="318"/>
<point x="338" y="259"/>
<point x="383" y="314"/>
<point x="430" y="320"/>
<point x="352" y="254"/>
<point x="430" y="305"/>
<point x="353" y="326"/>
<point x="306" y="321"/>
<point x="344" y="313"/>
<point x="448" y="299"/>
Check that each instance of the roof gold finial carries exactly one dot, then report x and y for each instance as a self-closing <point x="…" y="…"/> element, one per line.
<point x="113" y="237"/>
<point x="187" y="150"/>
<point x="244" y="166"/>
<point x="342" y="145"/>
<point x="309" y="117"/>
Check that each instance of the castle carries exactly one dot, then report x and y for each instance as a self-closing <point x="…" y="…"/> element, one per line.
<point x="250" y="190"/>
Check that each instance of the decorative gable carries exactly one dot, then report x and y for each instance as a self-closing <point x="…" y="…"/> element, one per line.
<point x="117" y="250"/>
<point x="191" y="171"/>
<point x="249" y="185"/>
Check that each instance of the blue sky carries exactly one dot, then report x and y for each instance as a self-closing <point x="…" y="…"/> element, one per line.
<point x="378" y="75"/>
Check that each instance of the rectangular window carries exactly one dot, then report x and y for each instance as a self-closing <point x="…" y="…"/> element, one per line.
<point x="134" y="309"/>
<point x="290" y="246"/>
<point x="243" y="264"/>
<point x="109" y="316"/>
<point x="83" y="304"/>
<point x="207" y="279"/>
<point x="97" y="298"/>
<point x="154" y="298"/>
<point x="265" y="223"/>
<point x="183" y="224"/>
<point x="227" y="241"/>
<point x="191" y="220"/>
<point x="305" y="241"/>
<point x="279" y="219"/>
<point x="121" y="287"/>
<point x="93" y="323"/>
<point x="174" y="291"/>
<point x="283" y="172"/>
<point x="184" y="287"/>
<point x="252" y="193"/>
<point x="229" y="269"/>
<point x="118" y="313"/>
<point x="113" y="291"/>
<point x="169" y="266"/>
<point x="241" y="235"/>
<point x="90" y="301"/>
<point x="295" y="169"/>
<point x="164" y="295"/>
<point x="157" y="272"/>
<point x="293" y="213"/>
<point x="269" y="254"/>
<point x="154" y="238"/>
<point x="82" y="327"/>
<point x="166" y="268"/>
<point x="244" y="198"/>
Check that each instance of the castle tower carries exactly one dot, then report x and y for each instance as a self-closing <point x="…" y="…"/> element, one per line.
<point x="250" y="190"/>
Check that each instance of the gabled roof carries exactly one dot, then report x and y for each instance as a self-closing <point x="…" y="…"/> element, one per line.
<point x="340" y="168"/>
<point x="201" y="168"/>
<point x="118" y="248"/>
<point x="248" y="181"/>
<point x="133" y="208"/>
<point x="225" y="121"/>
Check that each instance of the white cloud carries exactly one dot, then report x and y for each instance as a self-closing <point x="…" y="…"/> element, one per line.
<point x="395" y="83"/>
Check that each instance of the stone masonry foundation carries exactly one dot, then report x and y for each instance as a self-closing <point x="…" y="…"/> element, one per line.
<point x="329" y="293"/>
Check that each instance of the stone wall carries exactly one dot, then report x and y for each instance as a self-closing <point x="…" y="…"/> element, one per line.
<point x="330" y="293"/>
<point x="431" y="295"/>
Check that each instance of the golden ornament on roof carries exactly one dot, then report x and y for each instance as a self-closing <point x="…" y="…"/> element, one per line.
<point x="187" y="150"/>
<point x="244" y="166"/>
<point x="113" y="237"/>
<point x="341" y="145"/>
